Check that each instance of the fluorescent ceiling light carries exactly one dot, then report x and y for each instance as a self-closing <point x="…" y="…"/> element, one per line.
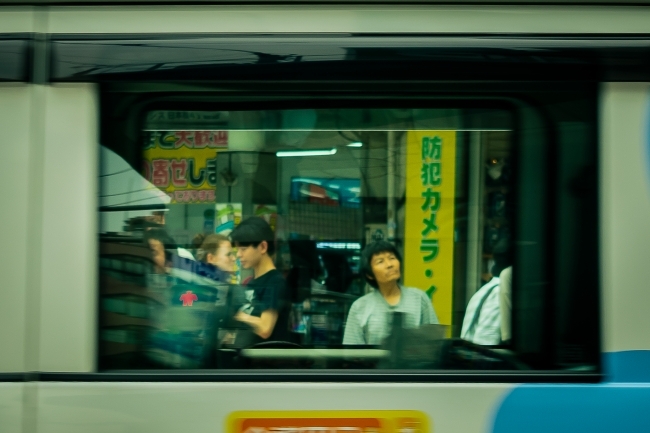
<point x="339" y="245"/>
<point x="355" y="144"/>
<point x="320" y="152"/>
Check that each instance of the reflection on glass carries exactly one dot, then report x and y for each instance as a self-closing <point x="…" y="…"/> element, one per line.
<point x="323" y="238"/>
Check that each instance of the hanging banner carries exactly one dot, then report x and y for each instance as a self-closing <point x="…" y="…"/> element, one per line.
<point x="429" y="221"/>
<point x="183" y="164"/>
<point x="328" y="421"/>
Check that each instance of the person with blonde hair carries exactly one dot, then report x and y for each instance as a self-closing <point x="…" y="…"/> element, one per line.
<point x="217" y="250"/>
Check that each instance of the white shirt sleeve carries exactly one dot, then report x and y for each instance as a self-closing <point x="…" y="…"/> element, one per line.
<point x="469" y="316"/>
<point x="488" y="328"/>
<point x="428" y="313"/>
<point x="505" y="302"/>
<point x="353" y="332"/>
<point x="481" y="329"/>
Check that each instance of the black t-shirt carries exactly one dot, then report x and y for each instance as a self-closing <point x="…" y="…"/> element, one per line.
<point x="269" y="292"/>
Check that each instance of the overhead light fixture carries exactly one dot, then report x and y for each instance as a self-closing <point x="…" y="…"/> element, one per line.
<point x="355" y="144"/>
<point x="312" y="152"/>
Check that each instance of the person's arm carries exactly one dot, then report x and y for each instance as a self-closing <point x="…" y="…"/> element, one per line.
<point x="353" y="332"/>
<point x="505" y="302"/>
<point x="272" y="300"/>
<point x="263" y="325"/>
<point x="426" y="310"/>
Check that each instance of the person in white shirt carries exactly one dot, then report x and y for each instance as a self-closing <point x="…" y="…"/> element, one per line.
<point x="482" y="323"/>
<point x="505" y="303"/>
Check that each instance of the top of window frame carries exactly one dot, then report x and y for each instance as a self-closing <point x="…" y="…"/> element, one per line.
<point x="351" y="56"/>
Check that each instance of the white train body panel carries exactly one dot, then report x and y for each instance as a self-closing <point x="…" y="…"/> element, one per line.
<point x="48" y="316"/>
<point x="625" y="186"/>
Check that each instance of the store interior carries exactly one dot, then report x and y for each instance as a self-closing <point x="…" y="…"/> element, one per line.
<point x="327" y="180"/>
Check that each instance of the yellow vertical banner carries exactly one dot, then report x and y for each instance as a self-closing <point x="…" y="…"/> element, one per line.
<point x="429" y="220"/>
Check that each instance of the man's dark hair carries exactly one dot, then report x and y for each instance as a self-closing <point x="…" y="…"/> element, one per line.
<point x="501" y="261"/>
<point x="163" y="237"/>
<point x="372" y="249"/>
<point x="159" y="235"/>
<point x="251" y="232"/>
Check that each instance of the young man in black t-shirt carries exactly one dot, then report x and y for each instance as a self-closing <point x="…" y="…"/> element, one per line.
<point x="268" y="309"/>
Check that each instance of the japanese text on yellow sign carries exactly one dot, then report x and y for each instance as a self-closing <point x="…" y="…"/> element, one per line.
<point x="184" y="164"/>
<point x="429" y="222"/>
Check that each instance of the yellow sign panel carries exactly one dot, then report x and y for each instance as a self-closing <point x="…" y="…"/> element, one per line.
<point x="184" y="164"/>
<point x="369" y="421"/>
<point x="429" y="221"/>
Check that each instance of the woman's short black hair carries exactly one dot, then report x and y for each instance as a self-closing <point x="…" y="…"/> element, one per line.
<point x="372" y="249"/>
<point x="251" y="232"/>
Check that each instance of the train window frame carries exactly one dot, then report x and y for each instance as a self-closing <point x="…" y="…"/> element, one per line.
<point x="484" y="95"/>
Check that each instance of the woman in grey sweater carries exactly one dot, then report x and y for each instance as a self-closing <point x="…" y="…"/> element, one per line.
<point x="370" y="317"/>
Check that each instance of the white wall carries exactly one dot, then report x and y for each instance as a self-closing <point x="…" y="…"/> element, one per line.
<point x="625" y="215"/>
<point x="14" y="262"/>
<point x="204" y="407"/>
<point x="11" y="404"/>
<point x="68" y="319"/>
<point x="527" y="19"/>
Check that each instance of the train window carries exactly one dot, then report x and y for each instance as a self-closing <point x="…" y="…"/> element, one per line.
<point x="406" y="235"/>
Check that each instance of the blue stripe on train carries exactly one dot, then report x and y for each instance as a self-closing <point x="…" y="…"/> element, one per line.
<point x="629" y="366"/>
<point x="620" y="404"/>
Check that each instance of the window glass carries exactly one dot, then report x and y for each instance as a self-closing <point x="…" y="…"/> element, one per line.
<point x="320" y="238"/>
